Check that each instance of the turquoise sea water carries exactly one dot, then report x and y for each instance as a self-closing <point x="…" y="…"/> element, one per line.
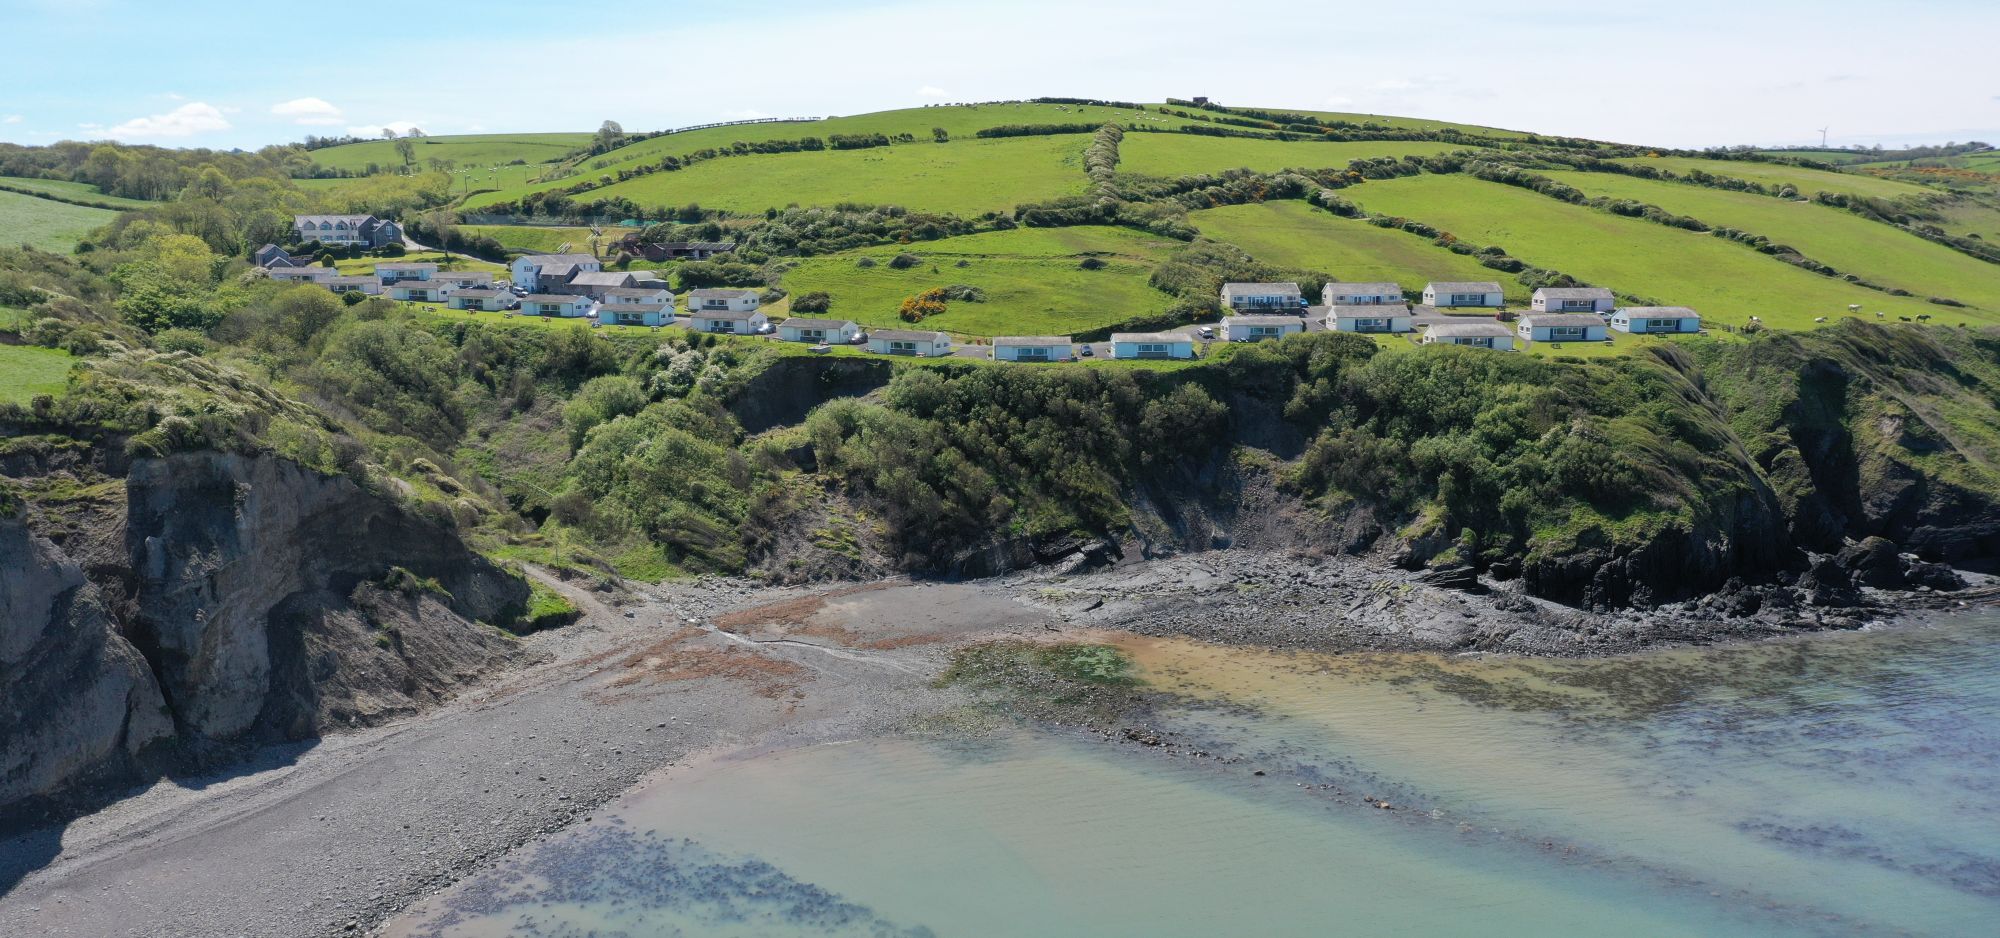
<point x="1833" y="785"/>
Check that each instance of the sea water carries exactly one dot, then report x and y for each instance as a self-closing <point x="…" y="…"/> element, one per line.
<point x="1830" y="785"/>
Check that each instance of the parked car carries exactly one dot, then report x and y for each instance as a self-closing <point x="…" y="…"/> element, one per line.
<point x="1206" y="332"/>
<point x="1086" y="352"/>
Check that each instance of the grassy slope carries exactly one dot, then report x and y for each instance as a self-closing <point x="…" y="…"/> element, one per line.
<point x="538" y="238"/>
<point x="466" y="149"/>
<point x="366" y="265"/>
<point x="26" y="371"/>
<point x="1412" y="123"/>
<point x="965" y="176"/>
<point x="45" y="224"/>
<point x="1726" y="282"/>
<point x="1185" y="154"/>
<point x="1972" y="218"/>
<point x="1850" y="243"/>
<point x="1808" y="181"/>
<point x="1294" y="234"/>
<point x="72" y="190"/>
<point x="1030" y="275"/>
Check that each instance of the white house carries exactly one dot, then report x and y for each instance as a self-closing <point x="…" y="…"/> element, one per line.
<point x="313" y="274"/>
<point x="710" y="300"/>
<point x="1487" y="334"/>
<point x="364" y="285"/>
<point x="552" y="304"/>
<point x="1261" y="297"/>
<point x="1572" y="300"/>
<point x="818" y="331"/>
<point x="727" y="321"/>
<point x="421" y="291"/>
<point x="1033" y="348"/>
<point x="635" y="314"/>
<point x="1253" y="328"/>
<point x="642" y="295"/>
<point x="347" y="229"/>
<point x="400" y="271"/>
<point x="481" y="298"/>
<point x="528" y="269"/>
<point x="1361" y="294"/>
<point x="909" y="342"/>
<point x="1447" y="295"/>
<point x="1369" y="319"/>
<point x="1653" y="319"/>
<point x="1152" y="345"/>
<point x="1562" y="327"/>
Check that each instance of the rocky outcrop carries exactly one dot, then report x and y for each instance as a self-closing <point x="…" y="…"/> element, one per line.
<point x="788" y="389"/>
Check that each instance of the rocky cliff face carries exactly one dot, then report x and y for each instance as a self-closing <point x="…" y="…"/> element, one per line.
<point x="260" y="601"/>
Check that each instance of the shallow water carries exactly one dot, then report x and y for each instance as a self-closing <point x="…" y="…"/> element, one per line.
<point x="1834" y="785"/>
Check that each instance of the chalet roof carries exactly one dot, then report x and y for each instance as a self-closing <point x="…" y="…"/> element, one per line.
<point x="1470" y="330"/>
<point x="469" y="276"/>
<point x="355" y="220"/>
<point x="1264" y="320"/>
<point x="1560" y="320"/>
<point x="1465" y="286"/>
<point x="1658" y="312"/>
<point x="809" y="321"/>
<point x="1034" y="341"/>
<point x="1365" y="289"/>
<point x="1367" y="312"/>
<point x="540" y="260"/>
<point x="734" y="315"/>
<point x="350" y="281"/>
<point x="408" y="265"/>
<point x="481" y="294"/>
<point x="1574" y="293"/>
<point x="1260" y="289"/>
<point x="602" y="278"/>
<point x="553" y="298"/>
<point x="720" y="294"/>
<point x="908" y="335"/>
<point x="631" y="308"/>
<point x="637" y="292"/>
<point x="1167" y="337"/>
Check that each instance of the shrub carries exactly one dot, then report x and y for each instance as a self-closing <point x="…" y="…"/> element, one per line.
<point x="181" y="340"/>
<point x="964" y="293"/>
<point x="925" y="304"/>
<point x="865" y="263"/>
<point x="905" y="261"/>
<point x="1092" y="263"/>
<point x="817" y="301"/>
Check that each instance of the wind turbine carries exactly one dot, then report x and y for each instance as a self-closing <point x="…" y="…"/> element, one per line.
<point x="1822" y="138"/>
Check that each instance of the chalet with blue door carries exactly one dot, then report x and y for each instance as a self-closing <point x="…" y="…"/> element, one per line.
<point x="1034" y="348"/>
<point x="1369" y="319"/>
<point x="1450" y="295"/>
<point x="1261" y="297"/>
<point x="634" y="314"/>
<point x="1152" y="345"/>
<point x="421" y="291"/>
<point x="1256" y="328"/>
<point x="1572" y="300"/>
<point x="1361" y="294"/>
<point x="818" y="331"/>
<point x="1656" y="319"/>
<point x="1482" y="334"/>
<point x="727" y="321"/>
<point x="647" y="294"/>
<point x="482" y="299"/>
<point x="464" y="279"/>
<point x="909" y="342"/>
<point x="566" y="306"/>
<point x="1562" y="327"/>
<point x="536" y="272"/>
<point x="363" y="230"/>
<point x="722" y="300"/>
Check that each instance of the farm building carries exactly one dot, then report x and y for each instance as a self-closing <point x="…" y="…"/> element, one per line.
<point x="421" y="291"/>
<point x="481" y="298"/>
<point x="531" y="270"/>
<point x="347" y="229"/>
<point x="1033" y="348"/>
<point x="727" y="321"/>
<point x="567" y="306"/>
<point x="1492" y="335"/>
<point x="1361" y="294"/>
<point x="1152" y="345"/>
<point x="909" y="342"/>
<point x="1253" y="328"/>
<point x="1448" y="295"/>
<point x="1368" y="319"/>
<point x="397" y="272"/>
<point x="650" y="294"/>
<point x="634" y="314"/>
<point x="302" y="274"/>
<point x="1562" y="327"/>
<point x="1261" y="297"/>
<point x="1572" y="300"/>
<point x="818" y="331"/>
<point x="368" y="286"/>
<point x="735" y="301"/>
<point x="1651" y="319"/>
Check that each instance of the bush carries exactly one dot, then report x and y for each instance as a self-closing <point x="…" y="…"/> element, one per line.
<point x="181" y="340"/>
<point x="917" y="308"/>
<point x="905" y="261"/>
<point x="865" y="263"/>
<point x="964" y="293"/>
<point x="1092" y="263"/>
<point x="817" y="301"/>
<point x="391" y="250"/>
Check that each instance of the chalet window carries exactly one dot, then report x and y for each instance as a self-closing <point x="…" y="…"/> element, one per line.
<point x="902" y="348"/>
<point x="1467" y="299"/>
<point x="1035" y="354"/>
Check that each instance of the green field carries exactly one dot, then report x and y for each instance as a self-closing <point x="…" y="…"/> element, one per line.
<point x="47" y="224"/>
<point x="71" y="190"/>
<point x="1031" y="278"/>
<point x="965" y="177"/>
<point x="1850" y="243"/>
<point x="366" y="265"/>
<point x="1967" y="217"/>
<point x="1295" y="234"/>
<point x="1808" y="181"/>
<point x="467" y="150"/>
<point x="1406" y="123"/>
<point x="1188" y="154"/>
<point x="26" y="371"/>
<point x="1726" y="282"/>
<point x="535" y="238"/>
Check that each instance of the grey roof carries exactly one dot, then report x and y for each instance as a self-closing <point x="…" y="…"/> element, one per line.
<point x="1469" y="330"/>
<point x="542" y="259"/>
<point x="351" y="281"/>
<point x="1263" y="321"/>
<point x="1042" y="341"/>
<point x="601" y="278"/>
<point x="1658" y="312"/>
<point x="1365" y="289"/>
<point x="408" y="265"/>
<point x="1574" y="293"/>
<point x="730" y="314"/>
<point x="472" y="276"/>
<point x="1368" y="312"/>
<point x="553" y="298"/>
<point x="1151" y="337"/>
<point x="720" y="294"/>
<point x="809" y="321"/>
<point x="908" y="335"/>
<point x="1563" y="319"/>
<point x="1260" y="289"/>
<point x="316" y="219"/>
<point x="306" y="271"/>
<point x="639" y="291"/>
<point x="1472" y="286"/>
<point x="631" y="308"/>
<point x="481" y="294"/>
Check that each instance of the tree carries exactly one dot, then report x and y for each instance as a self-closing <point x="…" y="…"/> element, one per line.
<point x="610" y="136"/>
<point x="210" y="183"/>
<point x="406" y="150"/>
<point x="940" y="135"/>
<point x="388" y="133"/>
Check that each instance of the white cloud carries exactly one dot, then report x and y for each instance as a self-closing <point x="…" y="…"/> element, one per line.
<point x="11" y="119"/>
<point x="195" y="117"/>
<point x="311" y="111"/>
<point x="375" y="130"/>
<point x="931" y="91"/>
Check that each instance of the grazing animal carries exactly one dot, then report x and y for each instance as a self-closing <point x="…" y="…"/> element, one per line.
<point x="1904" y="318"/>
<point x="1819" y="319"/>
<point x="1878" y="314"/>
<point x="1923" y="317"/>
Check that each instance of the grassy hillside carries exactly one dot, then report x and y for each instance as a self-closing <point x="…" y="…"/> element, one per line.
<point x="966" y="177"/>
<point x="535" y="238"/>
<point x="1848" y="242"/>
<point x="1186" y="155"/>
<point x="26" y="371"/>
<point x="70" y="190"/>
<point x="46" y="224"/>
<point x="1031" y="277"/>
<point x="467" y="150"/>
<point x="1808" y="181"/>
<point x="1727" y="282"/>
<point x="1294" y="234"/>
<point x="1408" y="123"/>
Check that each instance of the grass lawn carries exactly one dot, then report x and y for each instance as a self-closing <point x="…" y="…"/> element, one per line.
<point x="366" y="265"/>
<point x="1187" y="154"/>
<point x="1808" y="181"/>
<point x="45" y="224"/>
<point x="1295" y="234"/>
<point x="26" y="371"/>
<point x="542" y="239"/>
<point x="1851" y="244"/>
<point x="1032" y="282"/>
<point x="72" y="190"/>
<point x="965" y="177"/>
<point x="467" y="150"/>
<point x="1726" y="282"/>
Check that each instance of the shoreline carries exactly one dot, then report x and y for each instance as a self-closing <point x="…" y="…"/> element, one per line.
<point x="358" y="827"/>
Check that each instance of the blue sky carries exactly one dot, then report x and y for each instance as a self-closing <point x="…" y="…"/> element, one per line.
<point x="1689" y="73"/>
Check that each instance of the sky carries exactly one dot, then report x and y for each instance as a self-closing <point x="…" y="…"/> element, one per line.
<point x="1691" y="73"/>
